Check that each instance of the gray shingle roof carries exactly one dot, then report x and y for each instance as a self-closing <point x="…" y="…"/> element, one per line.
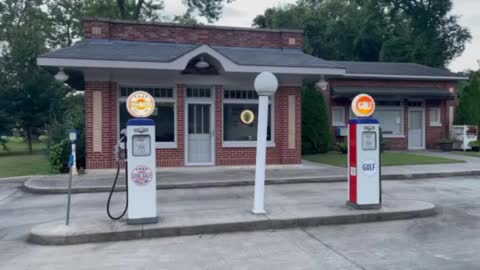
<point x="101" y="49"/>
<point x="273" y="57"/>
<point x="98" y="49"/>
<point x="120" y="50"/>
<point x="398" y="69"/>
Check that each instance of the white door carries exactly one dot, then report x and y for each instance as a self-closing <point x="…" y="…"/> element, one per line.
<point x="200" y="135"/>
<point x="416" y="129"/>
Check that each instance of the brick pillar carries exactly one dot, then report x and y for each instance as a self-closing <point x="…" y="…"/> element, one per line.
<point x="218" y="123"/>
<point x="288" y="154"/>
<point x="101" y="123"/>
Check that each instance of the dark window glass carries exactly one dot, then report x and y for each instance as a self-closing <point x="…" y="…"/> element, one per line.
<point x="164" y="117"/>
<point x="235" y="130"/>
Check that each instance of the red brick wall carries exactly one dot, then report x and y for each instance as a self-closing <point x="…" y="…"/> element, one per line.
<point x="280" y="154"/>
<point x="171" y="33"/>
<point x="432" y="134"/>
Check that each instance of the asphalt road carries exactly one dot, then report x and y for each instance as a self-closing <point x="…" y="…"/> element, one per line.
<point x="450" y="240"/>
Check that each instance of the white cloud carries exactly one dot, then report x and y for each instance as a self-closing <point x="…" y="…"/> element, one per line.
<point x="242" y="12"/>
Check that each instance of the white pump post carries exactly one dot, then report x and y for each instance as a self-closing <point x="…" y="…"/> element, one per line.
<point x="265" y="84"/>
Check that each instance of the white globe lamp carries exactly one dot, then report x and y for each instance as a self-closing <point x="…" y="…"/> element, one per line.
<point x="266" y="84"/>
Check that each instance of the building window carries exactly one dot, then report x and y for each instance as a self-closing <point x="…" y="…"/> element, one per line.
<point x="338" y="116"/>
<point x="390" y="116"/>
<point x="435" y="117"/>
<point x="164" y="114"/>
<point x="237" y="133"/>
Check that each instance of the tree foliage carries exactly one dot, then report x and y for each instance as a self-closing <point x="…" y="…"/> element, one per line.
<point x="374" y="30"/>
<point x="316" y="133"/>
<point x="31" y="92"/>
<point x="468" y="111"/>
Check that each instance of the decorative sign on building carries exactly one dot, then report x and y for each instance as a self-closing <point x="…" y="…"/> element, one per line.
<point x="140" y="104"/>
<point x="363" y="105"/>
<point x="247" y="117"/>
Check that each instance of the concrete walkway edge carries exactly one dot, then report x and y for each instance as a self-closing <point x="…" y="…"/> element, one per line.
<point x="29" y="185"/>
<point x="59" y="234"/>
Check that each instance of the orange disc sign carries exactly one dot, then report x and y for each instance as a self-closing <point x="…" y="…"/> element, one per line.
<point x="140" y="104"/>
<point x="363" y="105"/>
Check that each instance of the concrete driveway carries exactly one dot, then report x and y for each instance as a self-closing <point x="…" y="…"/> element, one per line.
<point x="447" y="241"/>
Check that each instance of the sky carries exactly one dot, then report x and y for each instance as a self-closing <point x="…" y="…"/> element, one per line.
<point x="242" y="12"/>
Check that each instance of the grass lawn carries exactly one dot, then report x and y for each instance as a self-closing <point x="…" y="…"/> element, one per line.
<point x="17" y="161"/>
<point x="388" y="159"/>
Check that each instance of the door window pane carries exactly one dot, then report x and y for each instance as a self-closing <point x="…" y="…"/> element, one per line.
<point x="198" y="118"/>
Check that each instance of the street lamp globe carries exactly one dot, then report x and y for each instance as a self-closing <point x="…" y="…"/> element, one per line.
<point x="61" y="76"/>
<point x="266" y="84"/>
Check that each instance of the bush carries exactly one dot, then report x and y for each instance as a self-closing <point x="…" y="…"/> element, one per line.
<point x="342" y="147"/>
<point x="58" y="156"/>
<point x="73" y="116"/>
<point x="316" y="133"/>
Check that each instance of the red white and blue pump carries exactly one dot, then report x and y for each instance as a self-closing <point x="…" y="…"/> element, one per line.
<point x="364" y="171"/>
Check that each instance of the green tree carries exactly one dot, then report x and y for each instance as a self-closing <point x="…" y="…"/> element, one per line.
<point x="31" y="92"/>
<point x="468" y="111"/>
<point x="316" y="133"/>
<point x="374" y="30"/>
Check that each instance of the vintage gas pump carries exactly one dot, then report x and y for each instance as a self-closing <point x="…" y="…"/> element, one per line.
<point x="140" y="163"/>
<point x="364" y="186"/>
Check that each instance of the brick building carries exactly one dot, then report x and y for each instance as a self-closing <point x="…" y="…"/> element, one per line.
<point x="202" y="79"/>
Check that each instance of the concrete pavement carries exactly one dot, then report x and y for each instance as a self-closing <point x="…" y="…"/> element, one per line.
<point x="443" y="242"/>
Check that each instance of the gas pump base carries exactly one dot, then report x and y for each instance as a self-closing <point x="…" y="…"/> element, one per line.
<point x="136" y="221"/>
<point x="364" y="206"/>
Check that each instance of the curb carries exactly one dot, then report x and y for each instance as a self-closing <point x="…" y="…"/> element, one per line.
<point x="38" y="236"/>
<point x="27" y="187"/>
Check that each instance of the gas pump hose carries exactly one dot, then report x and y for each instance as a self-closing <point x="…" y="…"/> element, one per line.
<point x="111" y="193"/>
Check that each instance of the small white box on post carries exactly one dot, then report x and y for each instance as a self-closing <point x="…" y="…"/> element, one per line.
<point x="266" y="85"/>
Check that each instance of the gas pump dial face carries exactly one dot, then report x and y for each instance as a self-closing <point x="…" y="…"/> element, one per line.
<point x="141" y="145"/>
<point x="369" y="141"/>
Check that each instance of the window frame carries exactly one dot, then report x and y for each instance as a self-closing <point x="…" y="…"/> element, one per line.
<point x="402" y="113"/>
<point x="121" y="99"/>
<point x="336" y="123"/>
<point x="439" y="113"/>
<point x="230" y="144"/>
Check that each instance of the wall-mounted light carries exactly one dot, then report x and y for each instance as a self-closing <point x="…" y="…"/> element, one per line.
<point x="61" y="76"/>
<point x="202" y="63"/>
<point x="322" y="83"/>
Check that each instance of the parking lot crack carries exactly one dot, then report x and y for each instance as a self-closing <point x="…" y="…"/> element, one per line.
<point x="332" y="249"/>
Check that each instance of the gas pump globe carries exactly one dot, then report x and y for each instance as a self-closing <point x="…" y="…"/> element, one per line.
<point x="364" y="186"/>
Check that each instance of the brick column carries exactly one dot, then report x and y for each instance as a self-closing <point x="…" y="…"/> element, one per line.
<point x="101" y="123"/>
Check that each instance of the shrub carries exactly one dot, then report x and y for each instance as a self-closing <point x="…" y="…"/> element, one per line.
<point x="316" y="137"/>
<point x="342" y="147"/>
<point x="72" y="117"/>
<point x="58" y="156"/>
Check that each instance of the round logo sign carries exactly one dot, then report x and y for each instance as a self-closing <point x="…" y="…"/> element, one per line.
<point x="247" y="117"/>
<point x="363" y="105"/>
<point x="141" y="175"/>
<point x="369" y="167"/>
<point x="140" y="104"/>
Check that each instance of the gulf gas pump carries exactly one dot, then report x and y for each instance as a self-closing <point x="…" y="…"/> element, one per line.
<point x="364" y="185"/>
<point x="140" y="162"/>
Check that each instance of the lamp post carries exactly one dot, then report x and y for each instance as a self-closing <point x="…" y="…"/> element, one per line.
<point x="265" y="84"/>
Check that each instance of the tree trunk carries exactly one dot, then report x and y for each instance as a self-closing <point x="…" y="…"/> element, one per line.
<point x="29" y="140"/>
